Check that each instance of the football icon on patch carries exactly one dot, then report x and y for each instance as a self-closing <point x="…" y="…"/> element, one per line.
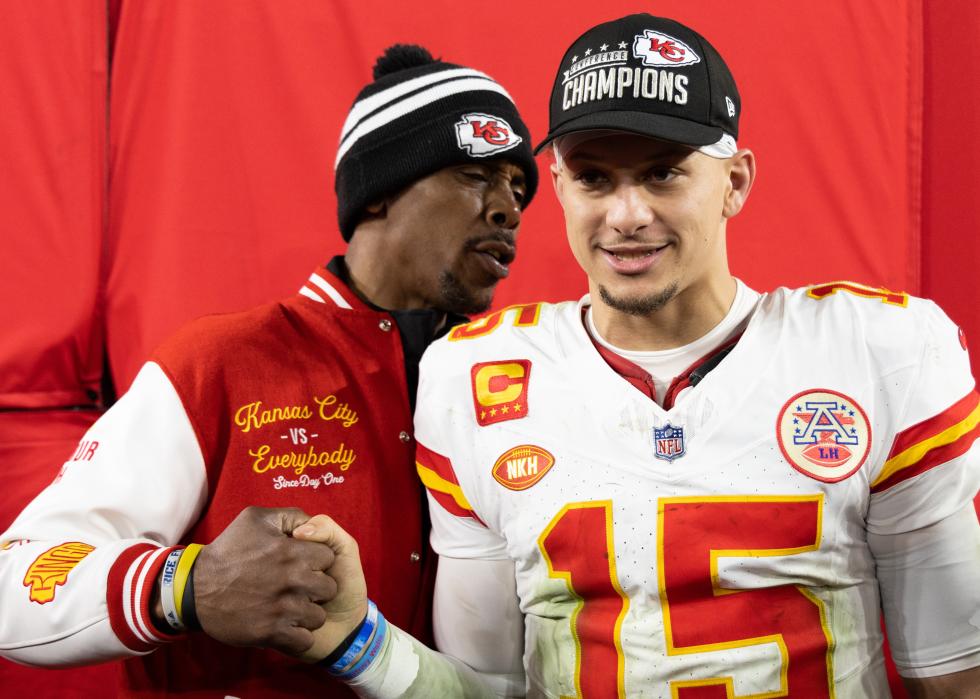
<point x="481" y="135"/>
<point x="824" y="434"/>
<point x="521" y="467"/>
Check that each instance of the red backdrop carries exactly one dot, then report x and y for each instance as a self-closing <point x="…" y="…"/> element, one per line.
<point x="162" y="159"/>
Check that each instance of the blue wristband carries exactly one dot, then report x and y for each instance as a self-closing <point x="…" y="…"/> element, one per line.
<point x="357" y="645"/>
<point x="364" y="662"/>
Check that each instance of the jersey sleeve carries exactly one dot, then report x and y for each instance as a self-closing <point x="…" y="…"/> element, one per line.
<point x="78" y="565"/>
<point x="928" y="581"/>
<point x="932" y="468"/>
<point x="445" y="464"/>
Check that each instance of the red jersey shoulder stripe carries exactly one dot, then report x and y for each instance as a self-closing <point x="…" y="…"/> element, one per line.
<point x="931" y="443"/>
<point x="438" y="477"/>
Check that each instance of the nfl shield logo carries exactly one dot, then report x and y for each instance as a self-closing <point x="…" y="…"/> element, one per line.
<point x="668" y="442"/>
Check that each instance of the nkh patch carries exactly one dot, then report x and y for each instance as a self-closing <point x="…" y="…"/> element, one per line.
<point x="823" y="434"/>
<point x="668" y="442"/>
<point x="481" y="135"/>
<point x="500" y="390"/>
<point x="657" y="49"/>
<point x="521" y="467"/>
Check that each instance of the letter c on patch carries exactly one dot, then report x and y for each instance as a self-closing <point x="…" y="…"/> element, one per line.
<point x="499" y="383"/>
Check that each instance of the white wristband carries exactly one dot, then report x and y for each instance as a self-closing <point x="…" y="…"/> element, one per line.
<point x="167" y="590"/>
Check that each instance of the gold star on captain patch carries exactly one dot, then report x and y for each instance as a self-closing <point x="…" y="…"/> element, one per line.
<point x="517" y="407"/>
<point x="483" y="414"/>
<point x="505" y="410"/>
<point x="493" y="411"/>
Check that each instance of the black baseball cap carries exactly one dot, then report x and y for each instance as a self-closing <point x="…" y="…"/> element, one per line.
<point x="647" y="75"/>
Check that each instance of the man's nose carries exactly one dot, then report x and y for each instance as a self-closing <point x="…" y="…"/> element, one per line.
<point x="503" y="210"/>
<point x="629" y="210"/>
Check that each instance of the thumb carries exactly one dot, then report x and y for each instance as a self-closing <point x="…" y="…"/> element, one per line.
<point x="346" y="568"/>
<point x="286" y="519"/>
<point x="346" y="610"/>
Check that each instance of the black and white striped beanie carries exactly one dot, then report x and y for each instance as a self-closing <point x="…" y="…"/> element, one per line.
<point x="419" y="116"/>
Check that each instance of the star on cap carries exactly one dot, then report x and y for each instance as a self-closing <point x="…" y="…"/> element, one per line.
<point x="588" y="51"/>
<point x="574" y="58"/>
<point x="604" y="47"/>
<point x="622" y="44"/>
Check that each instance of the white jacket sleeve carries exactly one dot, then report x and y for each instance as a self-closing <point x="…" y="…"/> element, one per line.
<point x="78" y="565"/>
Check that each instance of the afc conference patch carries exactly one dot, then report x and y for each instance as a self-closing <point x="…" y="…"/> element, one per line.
<point x="668" y="442"/>
<point x="824" y="434"/>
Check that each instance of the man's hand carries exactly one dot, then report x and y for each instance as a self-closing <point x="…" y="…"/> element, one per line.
<point x="345" y="610"/>
<point x="255" y="585"/>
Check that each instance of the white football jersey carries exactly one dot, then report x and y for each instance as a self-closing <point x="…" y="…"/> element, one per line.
<point x="718" y="548"/>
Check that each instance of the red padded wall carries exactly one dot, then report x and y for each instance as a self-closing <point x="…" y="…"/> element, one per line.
<point x="195" y="174"/>
<point x="951" y="163"/>
<point x="52" y="155"/>
<point x="225" y="116"/>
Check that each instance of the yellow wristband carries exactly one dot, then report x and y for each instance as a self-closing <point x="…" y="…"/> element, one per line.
<point x="183" y="571"/>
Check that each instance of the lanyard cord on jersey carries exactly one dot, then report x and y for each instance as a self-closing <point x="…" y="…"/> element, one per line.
<point x="640" y="378"/>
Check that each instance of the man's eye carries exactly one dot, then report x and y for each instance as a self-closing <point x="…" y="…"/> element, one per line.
<point x="519" y="195"/>
<point x="590" y="178"/>
<point x="662" y="174"/>
<point x="476" y="175"/>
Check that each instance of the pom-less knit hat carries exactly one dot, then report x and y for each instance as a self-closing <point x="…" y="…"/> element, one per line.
<point x="419" y="116"/>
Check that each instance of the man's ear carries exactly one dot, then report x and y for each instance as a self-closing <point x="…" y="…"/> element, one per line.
<point x="378" y="209"/>
<point x="741" y="175"/>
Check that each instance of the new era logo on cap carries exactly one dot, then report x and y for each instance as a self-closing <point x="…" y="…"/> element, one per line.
<point x="481" y="135"/>
<point x="657" y="49"/>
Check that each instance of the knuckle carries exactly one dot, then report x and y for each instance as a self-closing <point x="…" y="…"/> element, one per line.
<point x="251" y="513"/>
<point x="329" y="588"/>
<point x="318" y="616"/>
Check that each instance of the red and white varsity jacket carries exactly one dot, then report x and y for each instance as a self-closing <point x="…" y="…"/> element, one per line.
<point x="301" y="403"/>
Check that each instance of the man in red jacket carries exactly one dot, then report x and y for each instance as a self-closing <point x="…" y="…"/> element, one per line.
<point x="298" y="406"/>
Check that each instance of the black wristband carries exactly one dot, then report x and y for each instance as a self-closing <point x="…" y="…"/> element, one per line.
<point x="339" y="651"/>
<point x="188" y="609"/>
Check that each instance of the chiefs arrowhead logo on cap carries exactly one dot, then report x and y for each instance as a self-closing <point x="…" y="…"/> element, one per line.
<point x="521" y="467"/>
<point x="481" y="135"/>
<point x="657" y="49"/>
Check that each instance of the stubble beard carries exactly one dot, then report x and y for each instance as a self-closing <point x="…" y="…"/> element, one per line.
<point x="457" y="298"/>
<point x="642" y="305"/>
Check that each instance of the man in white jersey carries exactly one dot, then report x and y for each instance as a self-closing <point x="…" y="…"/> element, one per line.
<point x="677" y="487"/>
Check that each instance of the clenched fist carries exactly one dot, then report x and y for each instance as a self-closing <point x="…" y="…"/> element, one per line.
<point x="255" y="585"/>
